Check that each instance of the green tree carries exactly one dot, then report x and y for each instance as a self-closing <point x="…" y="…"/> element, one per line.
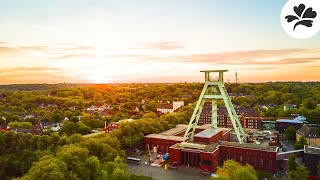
<point x="233" y="170"/>
<point x="13" y="124"/>
<point x="300" y="143"/>
<point x="292" y="165"/>
<point x="25" y="125"/>
<point x="309" y="103"/>
<point x="74" y="157"/>
<point x="290" y="133"/>
<point x="151" y="106"/>
<point x="151" y="115"/>
<point x="74" y="119"/>
<point x="301" y="173"/>
<point x="68" y="114"/>
<point x="47" y="167"/>
<point x="83" y="129"/>
<point x="56" y="118"/>
<point x="68" y="128"/>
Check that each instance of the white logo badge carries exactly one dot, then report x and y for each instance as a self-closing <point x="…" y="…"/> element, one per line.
<point x="301" y="18"/>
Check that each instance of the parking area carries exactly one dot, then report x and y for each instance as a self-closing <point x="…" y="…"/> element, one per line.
<point x="186" y="173"/>
<point x="159" y="173"/>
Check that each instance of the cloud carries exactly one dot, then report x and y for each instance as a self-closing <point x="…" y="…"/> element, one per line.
<point x="255" y="57"/>
<point x="31" y="75"/>
<point x="26" y="70"/>
<point x="78" y="48"/>
<point x="262" y="68"/>
<point x="4" y="50"/>
<point x="75" y="56"/>
<point x="244" y="57"/>
<point x="168" y="45"/>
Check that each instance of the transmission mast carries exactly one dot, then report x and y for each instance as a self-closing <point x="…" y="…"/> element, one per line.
<point x="237" y="77"/>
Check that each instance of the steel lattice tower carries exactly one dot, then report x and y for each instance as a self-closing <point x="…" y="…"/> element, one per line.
<point x="214" y="90"/>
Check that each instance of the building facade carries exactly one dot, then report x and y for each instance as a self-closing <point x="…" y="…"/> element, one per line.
<point x="210" y="148"/>
<point x="310" y="134"/>
<point x="283" y="124"/>
<point x="247" y="116"/>
<point x="311" y="160"/>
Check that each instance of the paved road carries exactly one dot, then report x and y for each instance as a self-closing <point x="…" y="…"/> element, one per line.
<point x="93" y="134"/>
<point x="286" y="144"/>
<point x="185" y="173"/>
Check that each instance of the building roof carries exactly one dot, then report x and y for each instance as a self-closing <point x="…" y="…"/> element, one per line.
<point x="290" y="121"/>
<point x="308" y="132"/>
<point x="165" y="106"/>
<point x="160" y="136"/>
<point x="208" y="133"/>
<point x="249" y="146"/>
<point x="179" y="128"/>
<point x="311" y="150"/>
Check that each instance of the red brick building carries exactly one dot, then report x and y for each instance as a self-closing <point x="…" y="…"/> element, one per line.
<point x="247" y="116"/>
<point x="210" y="148"/>
<point x="260" y="157"/>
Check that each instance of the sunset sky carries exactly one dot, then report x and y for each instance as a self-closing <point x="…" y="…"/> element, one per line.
<point x="107" y="41"/>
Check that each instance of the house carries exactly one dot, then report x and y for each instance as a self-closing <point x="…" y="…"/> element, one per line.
<point x="114" y="125"/>
<point x="165" y="108"/>
<point x="45" y="125"/>
<point x="29" y="116"/>
<point x="135" y="109"/>
<point x="289" y="107"/>
<point x="310" y="134"/>
<point x="55" y="127"/>
<point x="3" y="127"/>
<point x="170" y="108"/>
<point x="177" y="104"/>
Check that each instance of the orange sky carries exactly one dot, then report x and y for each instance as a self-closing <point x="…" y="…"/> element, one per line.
<point x="110" y="41"/>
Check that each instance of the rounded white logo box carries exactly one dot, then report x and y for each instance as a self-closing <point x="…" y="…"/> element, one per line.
<point x="301" y="18"/>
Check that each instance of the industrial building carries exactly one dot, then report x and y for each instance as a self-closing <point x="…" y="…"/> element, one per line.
<point x="283" y="124"/>
<point x="210" y="147"/>
<point x="311" y="160"/>
<point x="207" y="144"/>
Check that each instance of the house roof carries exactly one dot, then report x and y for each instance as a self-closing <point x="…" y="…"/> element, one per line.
<point x="249" y="146"/>
<point x="308" y="132"/>
<point x="165" y="106"/>
<point x="160" y="136"/>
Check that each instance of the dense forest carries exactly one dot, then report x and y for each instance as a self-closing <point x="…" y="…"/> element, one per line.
<point x="66" y="154"/>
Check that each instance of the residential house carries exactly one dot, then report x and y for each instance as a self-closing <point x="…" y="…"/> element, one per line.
<point x="3" y="127"/>
<point x="165" y="108"/>
<point x="170" y="108"/>
<point x="311" y="135"/>
<point x="289" y="107"/>
<point x="114" y="125"/>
